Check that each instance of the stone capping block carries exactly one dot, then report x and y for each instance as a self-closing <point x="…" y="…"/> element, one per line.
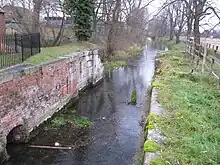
<point x="6" y="76"/>
<point x="154" y="134"/>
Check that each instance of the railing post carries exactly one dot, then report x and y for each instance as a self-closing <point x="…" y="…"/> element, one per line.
<point x="22" y="49"/>
<point x="204" y="58"/>
<point x="190" y="49"/>
<point x="31" y="44"/>
<point x="216" y="49"/>
<point x="16" y="43"/>
<point x="211" y="68"/>
<point x="39" y="43"/>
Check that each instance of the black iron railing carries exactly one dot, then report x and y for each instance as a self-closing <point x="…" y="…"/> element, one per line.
<point x="16" y="48"/>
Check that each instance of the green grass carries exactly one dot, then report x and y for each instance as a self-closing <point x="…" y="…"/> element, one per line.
<point x="191" y="123"/>
<point x="68" y="116"/>
<point x="10" y="59"/>
<point x="151" y="146"/>
<point x="111" y="65"/>
<point x="212" y="52"/>
<point x="151" y="120"/>
<point x="51" y="53"/>
<point x="157" y="161"/>
<point x="133" y="98"/>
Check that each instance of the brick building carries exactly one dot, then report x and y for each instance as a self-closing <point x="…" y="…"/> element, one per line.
<point x="2" y="22"/>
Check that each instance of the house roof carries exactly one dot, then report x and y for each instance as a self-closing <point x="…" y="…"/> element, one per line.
<point x="17" y="13"/>
<point x="1" y="10"/>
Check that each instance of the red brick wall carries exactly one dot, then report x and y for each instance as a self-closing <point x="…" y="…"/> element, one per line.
<point x="26" y="100"/>
<point x="30" y="96"/>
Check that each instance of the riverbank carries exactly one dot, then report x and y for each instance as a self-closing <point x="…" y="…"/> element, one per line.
<point x="190" y="122"/>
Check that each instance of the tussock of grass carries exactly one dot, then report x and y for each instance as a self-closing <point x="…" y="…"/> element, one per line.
<point x="69" y="117"/>
<point x="157" y="161"/>
<point x="121" y="57"/>
<point x="133" y="97"/>
<point x="172" y="46"/>
<point x="191" y="123"/>
<point x="111" y="65"/>
<point x="151" y="146"/>
<point x="133" y="50"/>
<point x="151" y="120"/>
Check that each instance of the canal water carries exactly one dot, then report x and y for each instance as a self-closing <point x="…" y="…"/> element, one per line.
<point x="116" y="136"/>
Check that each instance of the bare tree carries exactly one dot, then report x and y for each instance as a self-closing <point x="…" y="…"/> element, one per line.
<point x="37" y="5"/>
<point x="181" y="14"/>
<point x="196" y="11"/>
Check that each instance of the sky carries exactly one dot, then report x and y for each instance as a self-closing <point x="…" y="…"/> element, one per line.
<point x="206" y="23"/>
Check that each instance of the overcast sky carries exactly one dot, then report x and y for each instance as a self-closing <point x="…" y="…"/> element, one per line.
<point x="210" y="20"/>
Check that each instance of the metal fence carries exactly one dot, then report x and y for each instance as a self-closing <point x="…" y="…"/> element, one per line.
<point x="16" y="48"/>
<point x="204" y="58"/>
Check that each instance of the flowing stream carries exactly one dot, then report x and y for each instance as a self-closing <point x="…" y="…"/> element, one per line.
<point x="116" y="136"/>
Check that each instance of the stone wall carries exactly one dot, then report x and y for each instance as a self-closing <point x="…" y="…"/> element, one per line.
<point x="32" y="95"/>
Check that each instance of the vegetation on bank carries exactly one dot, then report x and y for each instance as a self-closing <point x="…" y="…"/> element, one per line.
<point x="151" y="146"/>
<point x="51" y="53"/>
<point x="112" y="62"/>
<point x="68" y="117"/>
<point x="213" y="53"/>
<point x="151" y="120"/>
<point x="191" y="102"/>
<point x="133" y="97"/>
<point x="121" y="57"/>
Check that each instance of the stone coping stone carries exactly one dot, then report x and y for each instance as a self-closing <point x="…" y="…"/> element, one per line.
<point x="154" y="134"/>
<point x="20" y="70"/>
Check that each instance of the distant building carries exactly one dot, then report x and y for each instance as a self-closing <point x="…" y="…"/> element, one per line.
<point x="56" y="22"/>
<point x="206" y="34"/>
<point x="2" y="22"/>
<point x="216" y="33"/>
<point x="17" y="19"/>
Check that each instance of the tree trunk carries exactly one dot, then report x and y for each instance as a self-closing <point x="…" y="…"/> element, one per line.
<point x="177" y="39"/>
<point x="198" y="9"/>
<point x="196" y="30"/>
<point x="171" y="35"/>
<point x="113" y="28"/>
<point x="189" y="15"/>
<point x="189" y="29"/>
<point x="94" y="29"/>
<point x="60" y="33"/>
<point x="36" y="16"/>
<point x="171" y="28"/>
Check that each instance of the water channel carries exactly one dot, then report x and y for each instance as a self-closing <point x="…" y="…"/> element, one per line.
<point x="116" y="136"/>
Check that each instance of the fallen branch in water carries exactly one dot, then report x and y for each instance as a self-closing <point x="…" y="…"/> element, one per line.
<point x="50" y="147"/>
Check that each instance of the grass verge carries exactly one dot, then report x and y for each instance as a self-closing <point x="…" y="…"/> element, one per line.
<point x="212" y="52"/>
<point x="51" y="53"/>
<point x="191" y="123"/>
